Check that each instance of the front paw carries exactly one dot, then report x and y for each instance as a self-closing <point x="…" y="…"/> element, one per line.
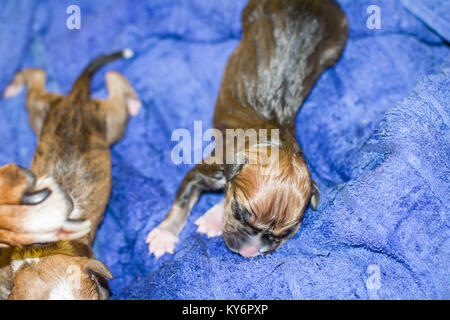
<point x="12" y="90"/>
<point x="161" y="242"/>
<point x="211" y="222"/>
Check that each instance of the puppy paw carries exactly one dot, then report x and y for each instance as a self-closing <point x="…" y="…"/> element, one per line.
<point x="161" y="242"/>
<point x="134" y="105"/>
<point x="12" y="90"/>
<point x="211" y="222"/>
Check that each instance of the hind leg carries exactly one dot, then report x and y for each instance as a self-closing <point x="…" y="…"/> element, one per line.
<point x="38" y="100"/>
<point x="121" y="103"/>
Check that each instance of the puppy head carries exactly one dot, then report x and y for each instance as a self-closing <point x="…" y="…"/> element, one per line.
<point x="16" y="184"/>
<point x="265" y="203"/>
<point x="61" y="277"/>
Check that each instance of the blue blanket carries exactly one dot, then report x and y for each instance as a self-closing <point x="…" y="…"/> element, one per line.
<point x="375" y="132"/>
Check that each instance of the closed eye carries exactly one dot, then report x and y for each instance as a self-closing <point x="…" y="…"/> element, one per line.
<point x="251" y="231"/>
<point x="285" y="234"/>
<point x="243" y="215"/>
<point x="239" y="212"/>
<point x="273" y="238"/>
<point x="269" y="235"/>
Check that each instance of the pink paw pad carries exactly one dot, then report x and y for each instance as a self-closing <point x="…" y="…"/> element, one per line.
<point x="12" y="90"/>
<point x="161" y="242"/>
<point x="211" y="222"/>
<point x="134" y="105"/>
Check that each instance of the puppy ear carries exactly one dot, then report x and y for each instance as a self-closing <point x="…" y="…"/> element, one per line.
<point x="315" y="198"/>
<point x="99" y="268"/>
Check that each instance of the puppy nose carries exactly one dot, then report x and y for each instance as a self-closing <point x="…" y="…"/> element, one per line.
<point x="248" y="251"/>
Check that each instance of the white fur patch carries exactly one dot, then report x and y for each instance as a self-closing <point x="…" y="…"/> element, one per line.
<point x="128" y="53"/>
<point x="329" y="54"/>
<point x="16" y="264"/>
<point x="51" y="213"/>
<point x="77" y="213"/>
<point x="62" y="291"/>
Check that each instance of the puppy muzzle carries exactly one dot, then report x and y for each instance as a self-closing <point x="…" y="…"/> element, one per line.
<point x="241" y="243"/>
<point x="248" y="245"/>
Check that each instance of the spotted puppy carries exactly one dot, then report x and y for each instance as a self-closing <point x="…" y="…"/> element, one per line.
<point x="286" y="45"/>
<point x="74" y="136"/>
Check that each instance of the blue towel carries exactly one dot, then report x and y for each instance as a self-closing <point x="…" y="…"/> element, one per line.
<point x="375" y="132"/>
<point x="435" y="13"/>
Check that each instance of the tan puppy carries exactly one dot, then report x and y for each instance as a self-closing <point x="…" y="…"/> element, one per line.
<point x="286" y="45"/>
<point x="75" y="133"/>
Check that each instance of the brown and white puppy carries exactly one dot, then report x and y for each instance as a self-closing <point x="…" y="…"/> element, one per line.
<point x="74" y="136"/>
<point x="286" y="46"/>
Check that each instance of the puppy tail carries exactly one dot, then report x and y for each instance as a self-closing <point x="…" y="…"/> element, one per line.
<point x="81" y="90"/>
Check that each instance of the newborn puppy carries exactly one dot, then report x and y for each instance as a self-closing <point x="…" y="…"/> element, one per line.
<point x="286" y="46"/>
<point x="74" y="136"/>
<point x="34" y="212"/>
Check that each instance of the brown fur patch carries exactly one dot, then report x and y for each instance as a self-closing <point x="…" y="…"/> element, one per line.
<point x="13" y="183"/>
<point x="277" y="193"/>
